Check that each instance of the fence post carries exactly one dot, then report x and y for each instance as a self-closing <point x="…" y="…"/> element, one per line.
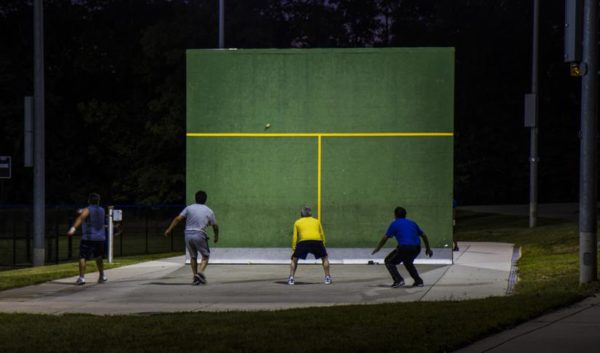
<point x="146" y="216"/>
<point x="57" y="242"/>
<point x="28" y="241"/>
<point x="14" y="243"/>
<point x="121" y="241"/>
<point x="48" y="247"/>
<point x="172" y="242"/>
<point x="70" y="241"/>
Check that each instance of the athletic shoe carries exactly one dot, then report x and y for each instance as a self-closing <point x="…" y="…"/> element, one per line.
<point x="327" y="279"/>
<point x="102" y="279"/>
<point x="291" y="281"/>
<point x="196" y="281"/>
<point x="418" y="284"/>
<point x="201" y="277"/>
<point x="397" y="284"/>
<point x="80" y="281"/>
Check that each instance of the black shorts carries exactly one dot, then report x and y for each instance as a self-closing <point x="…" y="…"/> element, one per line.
<point x="91" y="249"/>
<point x="306" y="247"/>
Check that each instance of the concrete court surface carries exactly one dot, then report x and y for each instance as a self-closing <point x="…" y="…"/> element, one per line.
<point x="479" y="270"/>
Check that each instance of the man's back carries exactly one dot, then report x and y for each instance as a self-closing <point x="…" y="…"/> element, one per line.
<point x="308" y="228"/>
<point x="93" y="226"/>
<point x="198" y="217"/>
<point x="405" y="231"/>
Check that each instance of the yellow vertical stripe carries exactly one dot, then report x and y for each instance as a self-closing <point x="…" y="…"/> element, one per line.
<point x="319" y="177"/>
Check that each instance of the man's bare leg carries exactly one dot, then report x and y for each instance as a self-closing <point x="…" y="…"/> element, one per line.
<point x="203" y="263"/>
<point x="194" y="265"/>
<point x="293" y="266"/>
<point x="326" y="266"/>
<point x="82" y="268"/>
<point x="100" y="266"/>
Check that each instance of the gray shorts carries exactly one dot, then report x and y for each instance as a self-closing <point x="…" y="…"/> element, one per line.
<point x="196" y="242"/>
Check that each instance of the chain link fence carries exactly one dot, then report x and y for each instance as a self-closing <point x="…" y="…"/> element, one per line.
<point x="141" y="232"/>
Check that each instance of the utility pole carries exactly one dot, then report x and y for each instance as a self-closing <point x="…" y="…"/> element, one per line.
<point x="588" y="175"/>
<point x="39" y="168"/>
<point x="221" y="24"/>
<point x="531" y="119"/>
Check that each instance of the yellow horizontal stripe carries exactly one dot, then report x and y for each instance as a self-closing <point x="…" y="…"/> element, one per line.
<point x="323" y="134"/>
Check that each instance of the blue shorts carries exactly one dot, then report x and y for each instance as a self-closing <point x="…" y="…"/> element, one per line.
<point x="306" y="247"/>
<point x="90" y="249"/>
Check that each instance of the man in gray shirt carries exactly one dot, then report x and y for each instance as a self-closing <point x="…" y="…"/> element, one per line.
<point x="197" y="219"/>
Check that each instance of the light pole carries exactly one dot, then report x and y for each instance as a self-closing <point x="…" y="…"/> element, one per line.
<point x="531" y="119"/>
<point x="221" y="24"/>
<point x="39" y="168"/>
<point x="588" y="175"/>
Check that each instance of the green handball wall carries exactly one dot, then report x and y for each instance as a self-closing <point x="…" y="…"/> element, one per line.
<point x="277" y="102"/>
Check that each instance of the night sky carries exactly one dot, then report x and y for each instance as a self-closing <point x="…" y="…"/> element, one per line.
<point x="115" y="87"/>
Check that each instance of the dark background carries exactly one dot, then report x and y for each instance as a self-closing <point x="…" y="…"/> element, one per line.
<point x="115" y="87"/>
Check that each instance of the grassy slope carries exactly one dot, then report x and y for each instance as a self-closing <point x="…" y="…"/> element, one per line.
<point x="548" y="279"/>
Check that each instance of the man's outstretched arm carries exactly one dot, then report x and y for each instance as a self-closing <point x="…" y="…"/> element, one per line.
<point x="380" y="244"/>
<point x="428" y="251"/>
<point x="174" y="223"/>
<point x="84" y="214"/>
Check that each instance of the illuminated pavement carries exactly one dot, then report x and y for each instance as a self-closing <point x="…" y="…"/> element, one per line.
<point x="480" y="270"/>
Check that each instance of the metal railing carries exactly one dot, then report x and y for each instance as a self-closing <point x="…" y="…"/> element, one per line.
<point x="141" y="232"/>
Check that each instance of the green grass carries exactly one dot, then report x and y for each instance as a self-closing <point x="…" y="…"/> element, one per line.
<point x="548" y="272"/>
<point x="34" y="275"/>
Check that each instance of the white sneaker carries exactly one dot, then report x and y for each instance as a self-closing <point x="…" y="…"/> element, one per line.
<point x="80" y="281"/>
<point x="327" y="279"/>
<point x="102" y="279"/>
<point x="291" y="281"/>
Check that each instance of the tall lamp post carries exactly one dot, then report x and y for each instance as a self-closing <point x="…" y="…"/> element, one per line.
<point x="581" y="51"/>
<point x="531" y="119"/>
<point x="588" y="174"/>
<point x="39" y="168"/>
<point x="221" y="24"/>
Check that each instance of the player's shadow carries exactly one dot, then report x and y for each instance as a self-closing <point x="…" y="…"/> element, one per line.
<point x="297" y="283"/>
<point x="389" y="286"/>
<point x="167" y="284"/>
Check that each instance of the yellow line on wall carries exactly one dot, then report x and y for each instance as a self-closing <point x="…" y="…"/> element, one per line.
<point x="322" y="134"/>
<point x="319" y="136"/>
<point x="319" y="179"/>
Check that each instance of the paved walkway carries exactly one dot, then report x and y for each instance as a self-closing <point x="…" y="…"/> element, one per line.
<point x="573" y="329"/>
<point x="479" y="270"/>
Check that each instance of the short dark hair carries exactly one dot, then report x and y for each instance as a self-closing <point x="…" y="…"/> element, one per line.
<point x="201" y="197"/>
<point x="94" y="199"/>
<point x="305" y="212"/>
<point x="400" y="212"/>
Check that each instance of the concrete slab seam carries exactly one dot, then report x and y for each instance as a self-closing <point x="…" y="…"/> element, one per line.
<point x="435" y="283"/>
<point x="461" y="253"/>
<point x="513" y="277"/>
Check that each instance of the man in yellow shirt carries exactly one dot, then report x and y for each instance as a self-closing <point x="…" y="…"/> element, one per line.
<point x="308" y="238"/>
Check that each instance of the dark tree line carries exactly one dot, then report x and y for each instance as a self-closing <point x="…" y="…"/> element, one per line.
<point x="115" y="86"/>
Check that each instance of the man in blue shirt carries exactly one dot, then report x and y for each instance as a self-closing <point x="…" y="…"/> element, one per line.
<point x="93" y="223"/>
<point x="407" y="234"/>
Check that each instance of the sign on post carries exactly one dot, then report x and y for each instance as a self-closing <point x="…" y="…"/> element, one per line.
<point x="5" y="167"/>
<point x="114" y="216"/>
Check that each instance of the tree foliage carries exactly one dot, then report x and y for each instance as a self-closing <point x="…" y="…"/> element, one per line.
<point x="115" y="86"/>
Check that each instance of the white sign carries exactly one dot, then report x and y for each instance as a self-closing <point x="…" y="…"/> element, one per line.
<point x="5" y="167"/>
